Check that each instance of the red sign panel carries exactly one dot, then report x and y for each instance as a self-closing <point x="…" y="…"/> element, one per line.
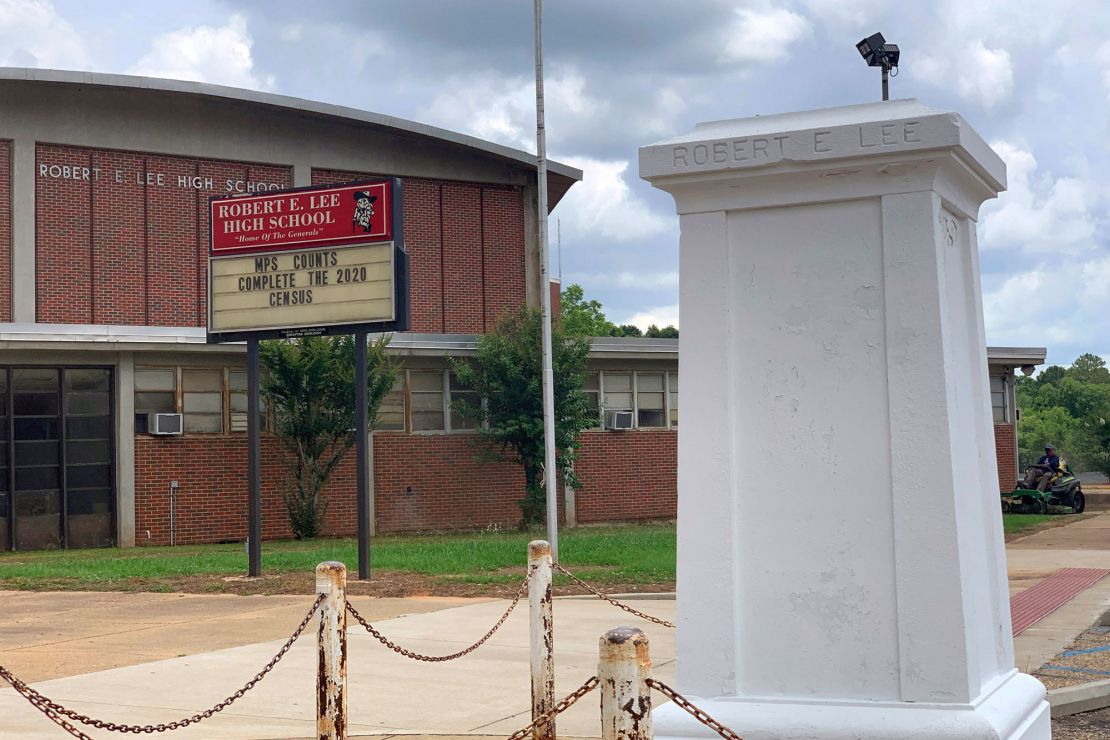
<point x="303" y="218"/>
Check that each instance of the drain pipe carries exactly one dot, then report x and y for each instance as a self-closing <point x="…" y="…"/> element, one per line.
<point x="173" y="513"/>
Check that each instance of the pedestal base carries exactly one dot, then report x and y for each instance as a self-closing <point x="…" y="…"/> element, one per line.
<point x="1015" y="710"/>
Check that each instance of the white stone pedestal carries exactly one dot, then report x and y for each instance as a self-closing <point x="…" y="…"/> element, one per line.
<point x="841" y="571"/>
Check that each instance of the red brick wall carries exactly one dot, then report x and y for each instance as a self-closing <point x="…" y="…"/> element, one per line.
<point x="627" y="475"/>
<point x="5" y="231"/>
<point x="466" y="251"/>
<point x="120" y="248"/>
<point x="1005" y="451"/>
<point x="422" y="483"/>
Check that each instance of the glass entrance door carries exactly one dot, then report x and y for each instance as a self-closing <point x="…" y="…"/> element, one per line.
<point x="56" y="459"/>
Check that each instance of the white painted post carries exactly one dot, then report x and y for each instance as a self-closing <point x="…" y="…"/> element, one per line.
<point x="623" y="668"/>
<point x="331" y="638"/>
<point x="541" y="638"/>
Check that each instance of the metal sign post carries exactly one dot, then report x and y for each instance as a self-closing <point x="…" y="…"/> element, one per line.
<point x="362" y="444"/>
<point x="254" y="464"/>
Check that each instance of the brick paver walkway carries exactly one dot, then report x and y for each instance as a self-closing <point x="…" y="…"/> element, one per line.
<point x="1034" y="604"/>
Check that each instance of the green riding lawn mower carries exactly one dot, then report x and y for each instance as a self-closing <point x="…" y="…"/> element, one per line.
<point x="1064" y="496"/>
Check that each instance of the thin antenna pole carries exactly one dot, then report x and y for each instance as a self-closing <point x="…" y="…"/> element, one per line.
<point x="545" y="303"/>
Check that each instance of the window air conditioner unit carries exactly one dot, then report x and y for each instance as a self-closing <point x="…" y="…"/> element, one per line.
<point x="618" y="419"/>
<point x="163" y="424"/>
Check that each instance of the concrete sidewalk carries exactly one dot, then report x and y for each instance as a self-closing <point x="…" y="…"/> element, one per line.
<point x="485" y="693"/>
<point x="1085" y="544"/>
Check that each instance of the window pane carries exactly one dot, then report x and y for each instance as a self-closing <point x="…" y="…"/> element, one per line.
<point x="649" y="382"/>
<point x="203" y="423"/>
<point x="458" y="421"/>
<point x="87" y="403"/>
<point x="36" y="404"/>
<point x="86" y="379"/>
<point x="32" y="380"/>
<point x="427" y="421"/>
<point x="391" y="412"/>
<point x="672" y="387"/>
<point x="202" y="380"/>
<point x="999" y="414"/>
<point x="648" y="418"/>
<point x="89" y="427"/>
<point x="88" y="451"/>
<point x="202" y="402"/>
<point x="650" y="400"/>
<point x="618" y="391"/>
<point x="162" y="379"/>
<point x="425" y="381"/>
<point x="161" y="403"/>
<point x="237" y="380"/>
<point x="996" y="383"/>
<point x="238" y="402"/>
<point x="591" y="382"/>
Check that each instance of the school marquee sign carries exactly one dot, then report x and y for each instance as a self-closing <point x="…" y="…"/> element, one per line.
<point x="307" y="261"/>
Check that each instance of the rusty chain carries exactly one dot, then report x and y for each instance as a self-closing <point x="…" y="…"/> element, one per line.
<point x="692" y="710"/>
<point x="610" y="599"/>
<point x="566" y="703"/>
<point x="55" y="711"/>
<point x="438" y="658"/>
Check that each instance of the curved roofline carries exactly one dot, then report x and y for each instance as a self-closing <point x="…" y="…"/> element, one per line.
<point x="328" y="110"/>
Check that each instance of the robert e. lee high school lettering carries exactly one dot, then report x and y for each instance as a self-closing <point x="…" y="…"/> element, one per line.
<point x="150" y="178"/>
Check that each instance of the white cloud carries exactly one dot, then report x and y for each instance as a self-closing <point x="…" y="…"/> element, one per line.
<point x="981" y="75"/>
<point x="764" y="35"/>
<point x="32" y="34"/>
<point x="636" y="280"/>
<point x="217" y="54"/>
<point x="660" y="316"/>
<point x="849" y="12"/>
<point x="1058" y="303"/>
<point x="1039" y="214"/>
<point x="602" y="206"/>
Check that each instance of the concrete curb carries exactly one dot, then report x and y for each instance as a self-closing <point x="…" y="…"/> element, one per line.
<point x="1085" y="697"/>
<point x="650" y="596"/>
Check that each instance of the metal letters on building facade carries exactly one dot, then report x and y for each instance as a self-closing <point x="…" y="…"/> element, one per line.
<point x="319" y="260"/>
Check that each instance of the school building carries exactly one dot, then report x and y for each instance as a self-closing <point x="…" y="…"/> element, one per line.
<point x="104" y="188"/>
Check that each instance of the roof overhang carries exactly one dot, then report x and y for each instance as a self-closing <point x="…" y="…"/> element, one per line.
<point x="1016" y="356"/>
<point x="559" y="176"/>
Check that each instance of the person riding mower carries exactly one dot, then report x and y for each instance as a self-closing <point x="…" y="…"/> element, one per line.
<point x="1049" y="487"/>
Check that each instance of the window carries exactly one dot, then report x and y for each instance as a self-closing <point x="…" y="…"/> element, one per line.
<point x="461" y="393"/>
<point x="155" y="393"/>
<point x="650" y="398"/>
<point x="998" y="399"/>
<point x="591" y="389"/>
<point x="202" y="400"/>
<point x="391" y="411"/>
<point x="237" y="402"/>
<point x="672" y="394"/>
<point x="617" y="391"/>
<point x="427" y="401"/>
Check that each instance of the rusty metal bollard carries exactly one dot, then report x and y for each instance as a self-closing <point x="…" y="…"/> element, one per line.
<point x="331" y="638"/>
<point x="624" y="667"/>
<point x="541" y="637"/>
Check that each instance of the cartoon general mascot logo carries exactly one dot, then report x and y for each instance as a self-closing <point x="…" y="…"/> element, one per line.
<point x="364" y="211"/>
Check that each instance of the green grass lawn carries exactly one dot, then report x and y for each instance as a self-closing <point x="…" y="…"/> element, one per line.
<point x="1018" y="523"/>
<point x="620" y="554"/>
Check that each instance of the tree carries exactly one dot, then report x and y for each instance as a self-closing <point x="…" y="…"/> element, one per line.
<point x="579" y="317"/>
<point x="310" y="386"/>
<point x="625" y="330"/>
<point x="506" y="372"/>
<point x="1039" y="427"/>
<point x="667" y="332"/>
<point x="1089" y="368"/>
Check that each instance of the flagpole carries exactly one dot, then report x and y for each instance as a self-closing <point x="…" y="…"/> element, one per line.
<point x="545" y="303"/>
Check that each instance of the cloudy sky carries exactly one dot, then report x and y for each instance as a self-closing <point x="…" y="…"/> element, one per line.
<point x="1032" y="77"/>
